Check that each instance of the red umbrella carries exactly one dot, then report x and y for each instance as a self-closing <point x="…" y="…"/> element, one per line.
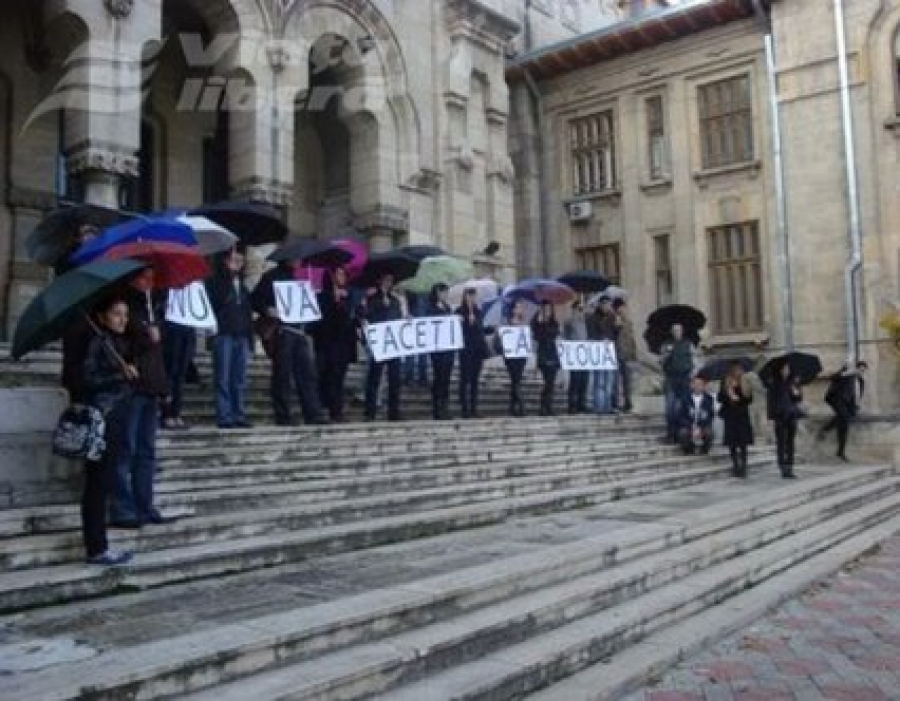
<point x="174" y="265"/>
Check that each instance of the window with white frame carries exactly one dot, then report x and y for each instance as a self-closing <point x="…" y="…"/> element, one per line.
<point x="593" y="153"/>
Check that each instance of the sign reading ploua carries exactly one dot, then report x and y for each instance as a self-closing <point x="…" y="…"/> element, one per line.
<point x="587" y="355"/>
<point x="516" y="341"/>
<point x="296" y="302"/>
<point x="399" y="339"/>
<point x="190" y="306"/>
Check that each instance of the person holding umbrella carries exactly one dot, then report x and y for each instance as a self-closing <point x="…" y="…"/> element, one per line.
<point x="783" y="399"/>
<point x="677" y="360"/>
<point x="845" y="389"/>
<point x="292" y="354"/>
<point x="472" y="354"/>
<point x="735" y="414"/>
<point x="441" y="363"/>
<point x="545" y="331"/>
<point x="335" y="338"/>
<point x="382" y="306"/>
<point x="603" y="325"/>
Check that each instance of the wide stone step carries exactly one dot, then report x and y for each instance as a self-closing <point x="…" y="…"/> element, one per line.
<point x="34" y="587"/>
<point x="518" y="646"/>
<point x="470" y="614"/>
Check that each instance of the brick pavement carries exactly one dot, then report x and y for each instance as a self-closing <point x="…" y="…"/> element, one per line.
<point x="839" y="641"/>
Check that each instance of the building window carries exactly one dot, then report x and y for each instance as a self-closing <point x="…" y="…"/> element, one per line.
<point x="897" y="68"/>
<point x="601" y="259"/>
<point x="726" y="122"/>
<point x="656" y="138"/>
<point x="593" y="155"/>
<point x="664" y="280"/>
<point x="735" y="274"/>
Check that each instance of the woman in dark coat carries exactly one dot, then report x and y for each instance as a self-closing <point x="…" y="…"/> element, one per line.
<point x="545" y="331"/>
<point x="107" y="385"/>
<point x="441" y="363"/>
<point x="784" y="398"/>
<point x="472" y="355"/>
<point x="735" y="413"/>
<point x="335" y="341"/>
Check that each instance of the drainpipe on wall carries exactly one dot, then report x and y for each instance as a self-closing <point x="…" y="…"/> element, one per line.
<point x="784" y="244"/>
<point x="854" y="263"/>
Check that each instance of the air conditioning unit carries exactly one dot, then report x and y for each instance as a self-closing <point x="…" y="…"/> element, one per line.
<point x="580" y="211"/>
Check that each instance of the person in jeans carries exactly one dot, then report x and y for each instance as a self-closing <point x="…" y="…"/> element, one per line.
<point x="108" y="376"/>
<point x="472" y="354"/>
<point x="575" y="329"/>
<point x="545" y="332"/>
<point x="179" y="348"/>
<point x="230" y="300"/>
<point x="602" y="325"/>
<point x="626" y="353"/>
<point x="133" y="506"/>
<point x="442" y="362"/>
<point x="382" y="306"/>
<point x="293" y="361"/>
<point x="677" y="362"/>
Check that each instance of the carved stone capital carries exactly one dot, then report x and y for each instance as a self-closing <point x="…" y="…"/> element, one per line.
<point x="266" y="191"/>
<point x="104" y="159"/>
<point x="120" y="9"/>
<point x="426" y="179"/>
<point x="382" y="217"/>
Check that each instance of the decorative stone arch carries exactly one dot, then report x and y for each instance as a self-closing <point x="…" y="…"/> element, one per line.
<point x="883" y="41"/>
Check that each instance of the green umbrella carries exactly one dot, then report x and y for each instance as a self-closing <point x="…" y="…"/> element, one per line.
<point x="435" y="270"/>
<point x="48" y="315"/>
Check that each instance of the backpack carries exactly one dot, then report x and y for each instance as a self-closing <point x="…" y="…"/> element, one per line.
<point x="79" y="433"/>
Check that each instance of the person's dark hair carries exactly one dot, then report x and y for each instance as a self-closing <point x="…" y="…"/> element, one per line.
<point x="618" y="303"/>
<point x="108" y="302"/>
<point x="436" y="291"/>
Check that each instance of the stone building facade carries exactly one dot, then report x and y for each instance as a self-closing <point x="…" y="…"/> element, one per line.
<point x="647" y="151"/>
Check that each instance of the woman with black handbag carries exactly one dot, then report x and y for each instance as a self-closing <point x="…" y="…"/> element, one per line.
<point x="108" y="376"/>
<point x="545" y="330"/>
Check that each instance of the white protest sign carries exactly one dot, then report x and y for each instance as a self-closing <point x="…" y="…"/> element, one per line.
<point x="587" y="355"/>
<point x="399" y="339"/>
<point x="190" y="306"/>
<point x="516" y="341"/>
<point x="296" y="302"/>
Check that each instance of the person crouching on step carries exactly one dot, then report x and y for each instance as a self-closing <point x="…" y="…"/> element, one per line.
<point x="696" y="419"/>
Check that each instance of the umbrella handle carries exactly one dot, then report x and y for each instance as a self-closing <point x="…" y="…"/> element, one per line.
<point x="150" y="313"/>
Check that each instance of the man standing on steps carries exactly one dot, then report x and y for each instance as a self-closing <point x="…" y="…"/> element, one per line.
<point x="575" y="329"/>
<point x="602" y="325"/>
<point x="677" y="360"/>
<point x="626" y="352"/>
<point x="382" y="306"/>
<point x="292" y="353"/>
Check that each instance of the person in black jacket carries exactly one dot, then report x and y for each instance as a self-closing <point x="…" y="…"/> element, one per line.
<point x="292" y="354"/>
<point x="134" y="506"/>
<point x="515" y="367"/>
<point x="845" y="389"/>
<point x="545" y="332"/>
<point x="381" y="306"/>
<point x="783" y="400"/>
<point x="441" y="363"/>
<point x="735" y="413"/>
<point x="696" y="419"/>
<point x="107" y="385"/>
<point x="472" y="354"/>
<point x="335" y="340"/>
<point x="230" y="301"/>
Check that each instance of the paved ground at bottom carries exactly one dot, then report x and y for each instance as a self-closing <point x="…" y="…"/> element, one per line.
<point x="839" y="641"/>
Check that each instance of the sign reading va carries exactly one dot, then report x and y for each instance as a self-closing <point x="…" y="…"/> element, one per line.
<point x="405" y="337"/>
<point x="296" y="302"/>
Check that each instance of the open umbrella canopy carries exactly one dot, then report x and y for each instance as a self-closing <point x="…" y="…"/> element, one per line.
<point x="211" y="238"/>
<point x="486" y="290"/>
<point x="52" y="240"/>
<point x="322" y="254"/>
<point x="612" y="292"/>
<point x="716" y="369"/>
<point x="657" y="336"/>
<point x="421" y="252"/>
<point x="447" y="270"/>
<point x="47" y="316"/>
<point x="496" y="312"/>
<point x="359" y="254"/>
<point x="395" y="263"/>
<point x="805" y="367"/>
<point x="174" y="265"/>
<point x="141" y="229"/>
<point x="254" y="224"/>
<point x="538" y="290"/>
<point x="585" y="281"/>
<point x="690" y="318"/>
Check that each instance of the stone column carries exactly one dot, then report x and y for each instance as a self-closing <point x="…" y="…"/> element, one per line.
<point x="385" y="227"/>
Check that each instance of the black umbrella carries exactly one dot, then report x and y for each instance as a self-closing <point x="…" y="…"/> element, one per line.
<point x="717" y="369"/>
<point x="805" y="367"/>
<point x="396" y="263"/>
<point x="422" y="252"/>
<point x="47" y="316"/>
<point x="690" y="318"/>
<point x="54" y="239"/>
<point x="253" y="224"/>
<point x="657" y="336"/>
<point x="320" y="254"/>
<point x="585" y="281"/>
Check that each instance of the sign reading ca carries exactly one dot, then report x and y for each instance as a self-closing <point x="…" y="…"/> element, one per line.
<point x="516" y="341"/>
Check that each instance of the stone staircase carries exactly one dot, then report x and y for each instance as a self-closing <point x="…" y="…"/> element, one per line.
<point x="559" y="558"/>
